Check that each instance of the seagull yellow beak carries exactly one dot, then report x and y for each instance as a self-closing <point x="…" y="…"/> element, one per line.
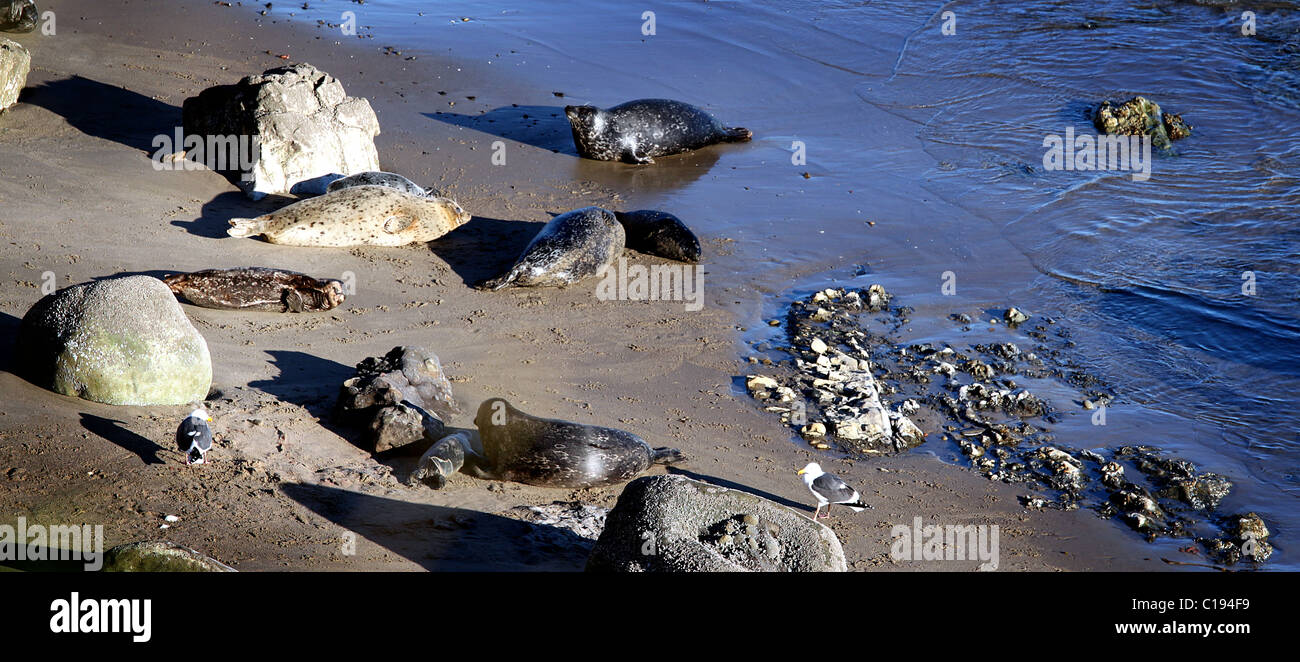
<point x="800" y="472"/>
<point x="209" y="419"/>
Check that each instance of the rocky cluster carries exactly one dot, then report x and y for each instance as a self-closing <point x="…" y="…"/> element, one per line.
<point x="1140" y="116"/>
<point x="378" y="398"/>
<point x="832" y="372"/>
<point x="977" y="404"/>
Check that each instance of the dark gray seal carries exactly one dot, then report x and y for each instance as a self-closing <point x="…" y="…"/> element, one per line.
<point x="660" y="233"/>
<point x="381" y="178"/>
<point x="257" y="288"/>
<point x="638" y="131"/>
<point x="554" y="453"/>
<point x="18" y="15"/>
<point x="571" y="247"/>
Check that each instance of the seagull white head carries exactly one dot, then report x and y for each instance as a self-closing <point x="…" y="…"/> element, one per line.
<point x="811" y="472"/>
<point x="200" y="414"/>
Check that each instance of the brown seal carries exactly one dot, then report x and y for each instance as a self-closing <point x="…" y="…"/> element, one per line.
<point x="257" y="288"/>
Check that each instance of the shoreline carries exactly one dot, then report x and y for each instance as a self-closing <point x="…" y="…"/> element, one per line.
<point x="107" y="83"/>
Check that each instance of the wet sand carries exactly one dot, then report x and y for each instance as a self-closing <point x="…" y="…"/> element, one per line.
<point x="78" y="197"/>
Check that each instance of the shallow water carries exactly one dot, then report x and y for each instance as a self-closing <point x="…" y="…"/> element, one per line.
<point x="938" y="139"/>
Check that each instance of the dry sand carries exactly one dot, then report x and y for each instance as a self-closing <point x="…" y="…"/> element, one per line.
<point x="79" y="197"/>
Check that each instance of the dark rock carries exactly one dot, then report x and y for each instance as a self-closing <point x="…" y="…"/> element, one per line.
<point x="674" y="524"/>
<point x="1140" y="116"/>
<point x="374" y="398"/>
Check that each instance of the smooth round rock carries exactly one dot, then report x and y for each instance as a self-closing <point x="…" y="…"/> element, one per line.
<point x="121" y="341"/>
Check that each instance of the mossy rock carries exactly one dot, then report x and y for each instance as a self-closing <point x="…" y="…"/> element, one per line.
<point x="159" y="557"/>
<point x="121" y="341"/>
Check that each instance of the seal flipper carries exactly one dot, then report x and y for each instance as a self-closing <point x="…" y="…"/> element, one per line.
<point x="666" y="455"/>
<point x="499" y="282"/>
<point x="397" y="223"/>
<point x="293" y="301"/>
<point x="247" y="227"/>
<point x="737" y="135"/>
<point x="629" y="155"/>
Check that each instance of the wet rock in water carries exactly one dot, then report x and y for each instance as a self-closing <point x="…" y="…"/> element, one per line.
<point x="17" y="16"/>
<point x="877" y="299"/>
<point x="674" y="524"/>
<point x="15" y="63"/>
<point x="305" y="125"/>
<point x="1015" y="317"/>
<point x="585" y="520"/>
<point x="374" y="397"/>
<point x="1178" y="479"/>
<point x="1140" y="116"/>
<point x="150" y="556"/>
<point x="120" y="341"/>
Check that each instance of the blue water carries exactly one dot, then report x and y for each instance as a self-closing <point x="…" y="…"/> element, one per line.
<point x="939" y="140"/>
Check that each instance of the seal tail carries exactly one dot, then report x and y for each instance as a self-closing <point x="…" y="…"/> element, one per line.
<point x="666" y="455"/>
<point x="738" y="135"/>
<point x="247" y="227"/>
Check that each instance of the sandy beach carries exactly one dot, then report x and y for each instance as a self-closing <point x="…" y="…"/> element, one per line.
<point x="79" y="197"/>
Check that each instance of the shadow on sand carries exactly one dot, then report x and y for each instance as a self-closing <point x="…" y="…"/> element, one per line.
<point x="544" y="127"/>
<point x="107" y="111"/>
<point x="114" y="431"/>
<point x="484" y="247"/>
<point x="310" y="382"/>
<point x="215" y="217"/>
<point x="443" y="538"/>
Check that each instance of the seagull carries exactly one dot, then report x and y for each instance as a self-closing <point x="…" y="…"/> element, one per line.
<point x="194" y="437"/>
<point x="829" y="489"/>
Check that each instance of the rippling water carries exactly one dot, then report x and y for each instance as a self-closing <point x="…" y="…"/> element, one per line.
<point x="938" y="139"/>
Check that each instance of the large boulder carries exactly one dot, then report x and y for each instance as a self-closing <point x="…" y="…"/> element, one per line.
<point x="374" y="399"/>
<point x="15" y="62"/>
<point x="120" y="341"/>
<point x="149" y="556"/>
<point x="674" y="524"/>
<point x="305" y="125"/>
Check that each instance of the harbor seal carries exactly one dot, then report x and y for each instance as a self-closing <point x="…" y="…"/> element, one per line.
<point x="380" y="178"/>
<point x="257" y="288"/>
<point x="572" y="246"/>
<point x="356" y="216"/>
<point x="554" y="453"/>
<point x="660" y="233"/>
<point x="638" y="131"/>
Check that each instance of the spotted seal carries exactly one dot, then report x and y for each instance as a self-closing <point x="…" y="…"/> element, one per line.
<point x="638" y="131"/>
<point x="356" y="216"/>
<point x="257" y="288"/>
<point x="554" y="453"/>
<point x="660" y="233"/>
<point x="571" y="247"/>
<point x="380" y="178"/>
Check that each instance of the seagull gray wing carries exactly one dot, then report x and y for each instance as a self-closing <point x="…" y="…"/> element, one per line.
<point x="833" y="489"/>
<point x="203" y="440"/>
